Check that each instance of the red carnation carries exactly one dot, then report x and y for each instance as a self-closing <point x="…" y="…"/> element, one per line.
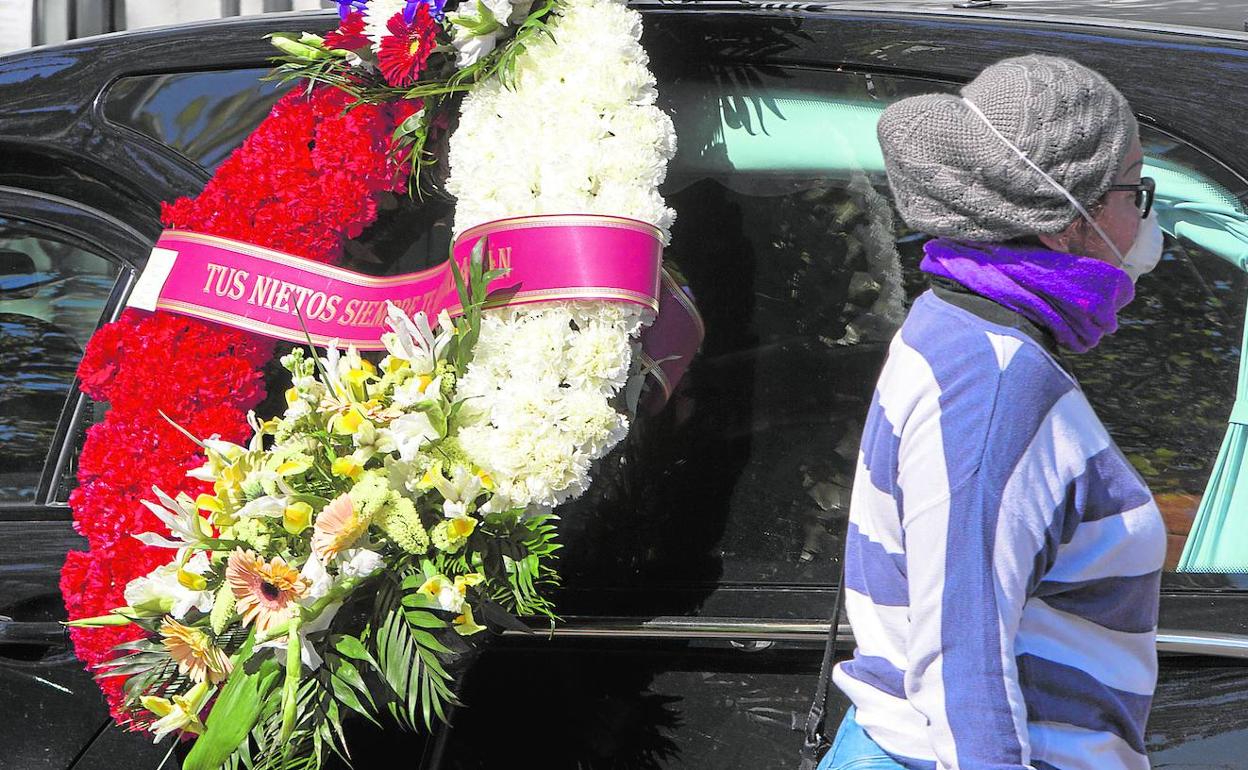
<point x="406" y="49"/>
<point x="350" y="35"/>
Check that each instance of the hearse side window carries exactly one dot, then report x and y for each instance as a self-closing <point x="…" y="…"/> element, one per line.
<point x="52" y="294"/>
<point x="787" y="236"/>
<point x="1164" y="384"/>
<point x="203" y="115"/>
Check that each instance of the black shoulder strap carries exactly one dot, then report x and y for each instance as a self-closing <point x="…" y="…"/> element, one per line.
<point x="816" y="740"/>
<point x="958" y="295"/>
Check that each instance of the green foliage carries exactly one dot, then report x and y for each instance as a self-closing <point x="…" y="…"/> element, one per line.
<point x="304" y="57"/>
<point x="504" y="64"/>
<point x="473" y="298"/>
<point x="239" y="705"/>
<point x="265" y="749"/>
<point x="523" y="550"/>
<point x="405" y="654"/>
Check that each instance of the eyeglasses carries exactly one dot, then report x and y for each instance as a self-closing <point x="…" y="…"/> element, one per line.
<point x="1144" y="192"/>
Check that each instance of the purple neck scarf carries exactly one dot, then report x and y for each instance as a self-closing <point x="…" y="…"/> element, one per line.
<point x="1076" y="298"/>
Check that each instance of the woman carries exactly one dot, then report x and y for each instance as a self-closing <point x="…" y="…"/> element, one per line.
<point x="1003" y="557"/>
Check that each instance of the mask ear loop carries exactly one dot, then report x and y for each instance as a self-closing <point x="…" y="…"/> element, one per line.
<point x="1078" y="206"/>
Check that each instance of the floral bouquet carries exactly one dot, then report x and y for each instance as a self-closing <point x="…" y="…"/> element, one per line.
<point x="359" y="493"/>
<point x="425" y="51"/>
<point x="345" y="557"/>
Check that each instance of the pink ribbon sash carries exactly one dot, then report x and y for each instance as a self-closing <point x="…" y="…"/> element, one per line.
<point x="552" y="257"/>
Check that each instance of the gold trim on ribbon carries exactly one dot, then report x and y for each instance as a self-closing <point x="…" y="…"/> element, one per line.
<point x="682" y="298"/>
<point x="301" y="263"/>
<point x="267" y="329"/>
<point x="560" y="220"/>
<point x="648" y="366"/>
<point x="579" y="293"/>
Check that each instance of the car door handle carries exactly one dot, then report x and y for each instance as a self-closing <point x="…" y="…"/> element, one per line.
<point x="31" y="634"/>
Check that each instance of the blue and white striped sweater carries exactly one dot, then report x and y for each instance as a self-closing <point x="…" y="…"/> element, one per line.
<point x="1003" y="561"/>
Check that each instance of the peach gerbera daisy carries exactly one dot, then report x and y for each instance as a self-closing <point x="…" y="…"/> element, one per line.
<point x="337" y="526"/>
<point x="265" y="593"/>
<point x="194" y="652"/>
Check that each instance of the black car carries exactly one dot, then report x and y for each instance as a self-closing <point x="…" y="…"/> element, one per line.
<point x="701" y="568"/>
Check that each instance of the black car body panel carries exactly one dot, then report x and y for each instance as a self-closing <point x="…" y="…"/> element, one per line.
<point x="691" y="664"/>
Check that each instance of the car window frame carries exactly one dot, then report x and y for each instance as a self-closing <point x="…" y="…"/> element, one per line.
<point x="110" y="239"/>
<point x="131" y="134"/>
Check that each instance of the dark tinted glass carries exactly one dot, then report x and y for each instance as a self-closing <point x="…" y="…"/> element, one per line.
<point x="1164" y="383"/>
<point x="51" y="296"/>
<point x="203" y="115"/>
<point x="787" y="238"/>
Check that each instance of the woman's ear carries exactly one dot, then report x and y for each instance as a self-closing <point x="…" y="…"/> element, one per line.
<point x="1054" y="242"/>
<point x="1066" y="240"/>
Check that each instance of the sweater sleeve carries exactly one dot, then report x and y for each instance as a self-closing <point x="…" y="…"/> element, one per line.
<point x="967" y="590"/>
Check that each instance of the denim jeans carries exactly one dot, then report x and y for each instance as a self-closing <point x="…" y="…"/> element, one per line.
<point x="853" y="749"/>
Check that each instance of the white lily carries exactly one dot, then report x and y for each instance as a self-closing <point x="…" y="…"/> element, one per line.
<point x="469" y="47"/>
<point x="182" y="518"/>
<point x="175" y="588"/>
<point x="307" y="651"/>
<point x="461" y="489"/>
<point x="220" y="455"/>
<point x="370" y="441"/>
<point x="442" y="589"/>
<point x="319" y="579"/>
<point x="359" y="563"/>
<point x="266" y="505"/>
<point x="417" y="390"/>
<point x="410" y="433"/>
<point x="450" y="594"/>
<point x="413" y="340"/>
<point x="497" y="503"/>
<point x="180" y="713"/>
<point x="331" y="360"/>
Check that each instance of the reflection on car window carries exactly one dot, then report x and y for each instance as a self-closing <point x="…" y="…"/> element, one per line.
<point x="203" y="115"/>
<point x="51" y="296"/>
<point x="787" y="236"/>
<point x="1164" y="384"/>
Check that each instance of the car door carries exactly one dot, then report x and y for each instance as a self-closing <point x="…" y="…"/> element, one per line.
<point x="700" y="568"/>
<point x="63" y="270"/>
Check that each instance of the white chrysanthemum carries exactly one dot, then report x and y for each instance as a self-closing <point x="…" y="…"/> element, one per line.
<point x="594" y="361"/>
<point x="594" y="74"/>
<point x="591" y="423"/>
<point x="544" y="380"/>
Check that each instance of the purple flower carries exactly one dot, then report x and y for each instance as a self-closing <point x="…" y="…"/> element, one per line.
<point x="435" y="9"/>
<point x="345" y="7"/>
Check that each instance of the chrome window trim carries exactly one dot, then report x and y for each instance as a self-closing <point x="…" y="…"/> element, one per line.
<point x="1170" y="641"/>
<point x="949" y="11"/>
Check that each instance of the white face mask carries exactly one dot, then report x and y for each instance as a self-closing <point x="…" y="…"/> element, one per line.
<point x="1145" y="253"/>
<point x="1146" y="250"/>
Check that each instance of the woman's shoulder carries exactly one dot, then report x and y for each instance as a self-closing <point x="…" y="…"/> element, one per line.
<point x="957" y="345"/>
<point x="997" y="385"/>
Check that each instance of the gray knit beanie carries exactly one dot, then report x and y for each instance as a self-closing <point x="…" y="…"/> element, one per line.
<point x="953" y="177"/>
